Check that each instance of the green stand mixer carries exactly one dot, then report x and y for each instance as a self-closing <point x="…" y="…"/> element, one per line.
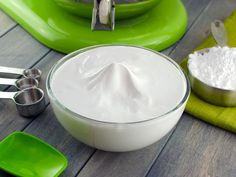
<point x="65" y="25"/>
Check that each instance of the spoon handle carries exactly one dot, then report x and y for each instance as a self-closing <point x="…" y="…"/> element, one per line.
<point x="4" y="69"/>
<point x="7" y="95"/>
<point x="219" y="33"/>
<point x="5" y="81"/>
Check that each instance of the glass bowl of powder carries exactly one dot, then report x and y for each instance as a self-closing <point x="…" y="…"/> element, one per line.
<point x="213" y="75"/>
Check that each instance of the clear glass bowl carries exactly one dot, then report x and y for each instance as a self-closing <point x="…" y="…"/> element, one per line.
<point x="118" y="137"/>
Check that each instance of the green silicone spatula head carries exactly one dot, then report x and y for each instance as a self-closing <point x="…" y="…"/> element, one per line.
<point x="24" y="155"/>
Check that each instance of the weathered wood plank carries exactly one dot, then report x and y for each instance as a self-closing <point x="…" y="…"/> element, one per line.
<point x="196" y="148"/>
<point x="5" y="23"/>
<point x="137" y="163"/>
<point x="67" y="144"/>
<point x="130" y="164"/>
<point x="79" y="153"/>
<point x="194" y="9"/>
<point x="17" y="49"/>
<point x="76" y="152"/>
<point x="217" y="9"/>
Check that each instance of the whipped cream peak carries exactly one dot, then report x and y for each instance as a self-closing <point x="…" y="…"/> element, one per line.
<point x="114" y="77"/>
<point x="116" y="84"/>
<point x="119" y="84"/>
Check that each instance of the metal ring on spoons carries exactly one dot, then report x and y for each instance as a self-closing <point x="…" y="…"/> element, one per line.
<point x="30" y="102"/>
<point x="27" y="73"/>
<point x="20" y="84"/>
<point x="207" y="92"/>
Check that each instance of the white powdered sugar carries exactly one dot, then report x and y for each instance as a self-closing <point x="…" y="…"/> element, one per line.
<point x="216" y="68"/>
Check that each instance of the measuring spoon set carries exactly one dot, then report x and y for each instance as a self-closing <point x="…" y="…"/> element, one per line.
<point x="29" y="99"/>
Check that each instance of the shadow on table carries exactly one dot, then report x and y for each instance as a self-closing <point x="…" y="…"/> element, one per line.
<point x="4" y="174"/>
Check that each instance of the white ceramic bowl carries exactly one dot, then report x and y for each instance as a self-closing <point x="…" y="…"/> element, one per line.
<point x="113" y="136"/>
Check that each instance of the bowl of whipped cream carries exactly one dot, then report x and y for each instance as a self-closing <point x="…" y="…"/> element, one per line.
<point x="117" y="97"/>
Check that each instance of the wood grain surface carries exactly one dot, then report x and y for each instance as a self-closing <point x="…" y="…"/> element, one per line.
<point x="194" y="148"/>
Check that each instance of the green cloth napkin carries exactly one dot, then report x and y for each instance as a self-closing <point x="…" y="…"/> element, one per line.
<point x="224" y="117"/>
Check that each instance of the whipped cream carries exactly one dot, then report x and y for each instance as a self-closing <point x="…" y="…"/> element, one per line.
<point x="119" y="84"/>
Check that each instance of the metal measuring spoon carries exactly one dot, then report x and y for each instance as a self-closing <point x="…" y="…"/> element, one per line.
<point x="20" y="84"/>
<point x="217" y="96"/>
<point x="27" y="73"/>
<point x="29" y="102"/>
<point x="219" y="33"/>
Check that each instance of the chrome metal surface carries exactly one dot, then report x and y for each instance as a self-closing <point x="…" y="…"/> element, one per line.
<point x="219" y="33"/>
<point x="4" y="69"/>
<point x="20" y="84"/>
<point x="29" y="102"/>
<point x="24" y="83"/>
<point x="103" y="17"/>
<point x="211" y="94"/>
<point x="217" y="96"/>
<point x="31" y="73"/>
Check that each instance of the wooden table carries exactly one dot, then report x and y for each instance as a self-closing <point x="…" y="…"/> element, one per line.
<point x="194" y="148"/>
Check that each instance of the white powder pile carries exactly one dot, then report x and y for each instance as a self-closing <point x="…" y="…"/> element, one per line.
<point x="216" y="68"/>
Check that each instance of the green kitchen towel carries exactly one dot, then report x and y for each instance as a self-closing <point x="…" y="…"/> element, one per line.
<point x="224" y="117"/>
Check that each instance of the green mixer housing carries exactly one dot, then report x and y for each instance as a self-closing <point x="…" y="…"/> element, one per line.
<point x="65" y="25"/>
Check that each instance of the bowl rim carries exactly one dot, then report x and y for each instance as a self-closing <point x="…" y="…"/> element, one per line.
<point x="70" y="55"/>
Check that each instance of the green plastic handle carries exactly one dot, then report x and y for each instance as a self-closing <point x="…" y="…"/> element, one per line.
<point x="123" y="11"/>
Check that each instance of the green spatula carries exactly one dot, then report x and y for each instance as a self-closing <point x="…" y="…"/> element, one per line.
<point x="24" y="155"/>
